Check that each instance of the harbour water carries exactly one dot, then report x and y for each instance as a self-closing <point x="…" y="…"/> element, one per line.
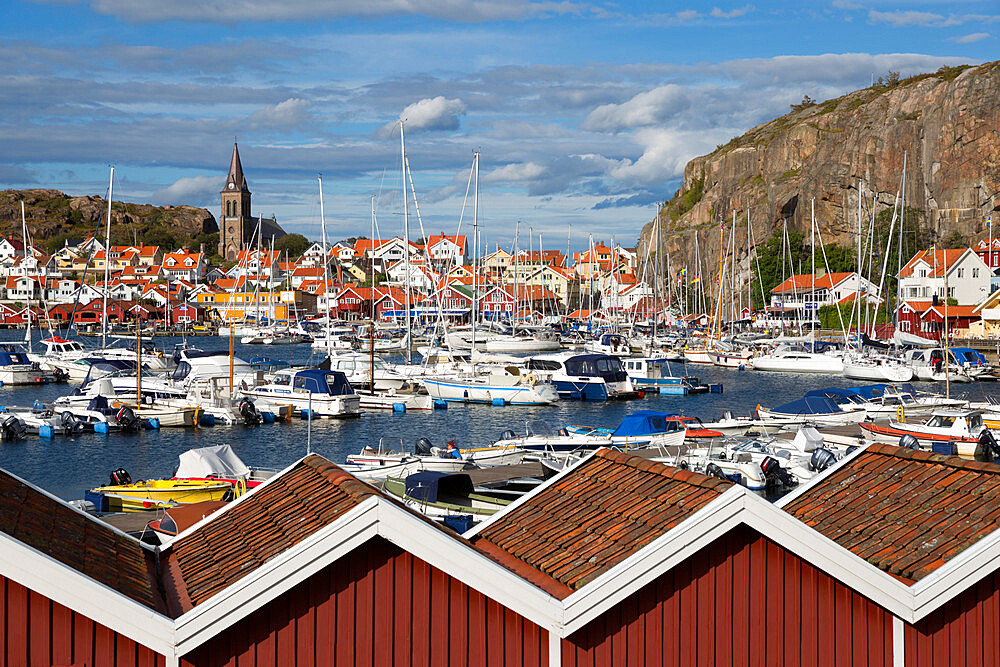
<point x="67" y="466"/>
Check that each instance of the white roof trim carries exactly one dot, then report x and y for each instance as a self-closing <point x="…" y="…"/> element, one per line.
<point x="71" y="588"/>
<point x="819" y="479"/>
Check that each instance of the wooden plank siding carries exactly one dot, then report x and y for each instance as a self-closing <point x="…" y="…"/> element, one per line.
<point x="965" y="631"/>
<point x="378" y="606"/>
<point x="743" y="600"/>
<point x="40" y="632"/>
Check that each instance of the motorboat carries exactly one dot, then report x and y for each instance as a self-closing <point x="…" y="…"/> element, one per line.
<point x="641" y="428"/>
<point x="44" y="421"/>
<point x="697" y="354"/>
<point x="402" y="401"/>
<point x="589" y="377"/>
<point x="220" y="463"/>
<point x="928" y="365"/>
<point x="960" y="430"/>
<point x="876" y="368"/>
<point x="610" y="344"/>
<point x="730" y="358"/>
<point x="124" y="495"/>
<point x="326" y="393"/>
<point x="881" y="400"/>
<point x="498" y="387"/>
<point x="439" y="494"/>
<point x="360" y="367"/>
<point x="653" y="374"/>
<point x="338" y="339"/>
<point x="17" y="369"/>
<point x="540" y="436"/>
<point x="200" y="365"/>
<point x="812" y="410"/>
<point x="792" y="360"/>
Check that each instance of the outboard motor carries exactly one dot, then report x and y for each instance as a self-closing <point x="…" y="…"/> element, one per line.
<point x="70" y="423"/>
<point x="508" y="435"/>
<point x="13" y="429"/>
<point x="713" y="470"/>
<point x="120" y="477"/>
<point x="251" y="415"/>
<point x="909" y="442"/>
<point x="423" y="447"/>
<point x="821" y="459"/>
<point x="988" y="448"/>
<point x="127" y="419"/>
<point x="774" y="474"/>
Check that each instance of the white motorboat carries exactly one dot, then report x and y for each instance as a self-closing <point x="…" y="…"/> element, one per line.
<point x="876" y="369"/>
<point x="960" y="430"/>
<point x="609" y="343"/>
<point x="812" y="410"/>
<point x="588" y="377"/>
<point x="17" y="369"/>
<point x="359" y="368"/>
<point x="195" y="366"/>
<point x="499" y="387"/>
<point x="326" y="393"/>
<point x="790" y="360"/>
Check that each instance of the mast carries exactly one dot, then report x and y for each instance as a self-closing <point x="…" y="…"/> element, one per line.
<point x="475" y="250"/>
<point x="107" y="262"/>
<point x="569" y="234"/>
<point x="947" y="353"/>
<point x="517" y="227"/>
<point x="406" y="242"/>
<point x="899" y="253"/>
<point x="749" y="271"/>
<point x="24" y="235"/>
<point x="326" y="261"/>
<point x="812" y="213"/>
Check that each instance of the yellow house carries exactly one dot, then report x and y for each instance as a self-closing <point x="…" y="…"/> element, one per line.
<point x="238" y="305"/>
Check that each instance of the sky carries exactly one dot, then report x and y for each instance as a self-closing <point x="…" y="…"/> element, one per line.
<point x="584" y="113"/>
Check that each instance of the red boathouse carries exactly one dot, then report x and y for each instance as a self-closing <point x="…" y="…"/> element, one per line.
<point x="889" y="559"/>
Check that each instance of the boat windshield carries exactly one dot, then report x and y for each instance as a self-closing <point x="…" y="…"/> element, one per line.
<point x="975" y="422"/>
<point x="540" y="429"/>
<point x="941" y="421"/>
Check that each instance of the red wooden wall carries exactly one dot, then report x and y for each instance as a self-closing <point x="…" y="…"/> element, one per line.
<point x="965" y="631"/>
<point x="378" y="606"/>
<point x="34" y="630"/>
<point x="743" y="600"/>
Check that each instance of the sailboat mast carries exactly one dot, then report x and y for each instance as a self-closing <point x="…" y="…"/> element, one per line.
<point x="406" y="243"/>
<point x="24" y="235"/>
<point x="107" y="262"/>
<point x="899" y="252"/>
<point x="475" y="249"/>
<point x="326" y="261"/>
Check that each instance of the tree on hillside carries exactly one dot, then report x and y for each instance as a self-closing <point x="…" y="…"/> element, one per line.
<point x="294" y="244"/>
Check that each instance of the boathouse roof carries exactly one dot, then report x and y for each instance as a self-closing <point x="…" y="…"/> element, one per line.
<point x="232" y="543"/>
<point x="77" y="540"/>
<point x="907" y="512"/>
<point x="597" y="515"/>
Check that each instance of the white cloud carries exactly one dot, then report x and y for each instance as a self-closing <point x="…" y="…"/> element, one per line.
<point x="514" y="173"/>
<point x="153" y="11"/>
<point x="969" y="39"/>
<point x="290" y="113"/>
<point x="733" y="13"/>
<point x="906" y="18"/>
<point x="431" y="113"/>
<point x="665" y="154"/>
<point x="190" y="191"/>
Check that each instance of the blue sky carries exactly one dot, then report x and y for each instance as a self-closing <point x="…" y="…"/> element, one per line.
<point x="584" y="112"/>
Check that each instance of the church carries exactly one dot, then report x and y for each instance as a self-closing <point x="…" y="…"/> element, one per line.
<point x="237" y="226"/>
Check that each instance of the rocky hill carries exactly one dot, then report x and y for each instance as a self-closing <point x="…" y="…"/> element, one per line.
<point x="947" y="123"/>
<point x="53" y="216"/>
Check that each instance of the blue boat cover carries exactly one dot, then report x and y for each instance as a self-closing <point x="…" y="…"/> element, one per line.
<point x="809" y="405"/>
<point x="645" y="422"/>
<point x="865" y="391"/>
<point x="320" y="381"/>
<point x="429" y="486"/>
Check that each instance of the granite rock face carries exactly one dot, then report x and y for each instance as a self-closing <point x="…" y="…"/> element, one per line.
<point x="947" y="124"/>
<point x="50" y="213"/>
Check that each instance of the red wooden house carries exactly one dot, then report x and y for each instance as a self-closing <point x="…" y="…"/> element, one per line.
<point x="925" y="319"/>
<point x="892" y="558"/>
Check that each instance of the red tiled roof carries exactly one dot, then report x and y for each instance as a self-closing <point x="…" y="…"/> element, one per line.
<point x="262" y="525"/>
<point x="805" y="282"/>
<point x="935" y="259"/>
<point x="953" y="311"/>
<point x="604" y="511"/>
<point x="80" y="542"/>
<point x="918" y="306"/>
<point x="905" y="511"/>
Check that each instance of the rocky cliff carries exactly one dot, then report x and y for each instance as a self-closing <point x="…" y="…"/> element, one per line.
<point x="53" y="216"/>
<point x="947" y="124"/>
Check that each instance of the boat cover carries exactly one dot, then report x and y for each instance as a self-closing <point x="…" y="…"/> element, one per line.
<point x="430" y="486"/>
<point x="645" y="422"/>
<point x="807" y="439"/>
<point x="809" y="405"/>
<point x="864" y="391"/>
<point x="218" y="460"/>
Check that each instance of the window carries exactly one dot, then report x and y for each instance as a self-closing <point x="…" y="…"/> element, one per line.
<point x="960" y="273"/>
<point x="975" y="273"/>
<point x="951" y="291"/>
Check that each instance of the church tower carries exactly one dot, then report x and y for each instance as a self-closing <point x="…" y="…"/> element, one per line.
<point x="236" y="224"/>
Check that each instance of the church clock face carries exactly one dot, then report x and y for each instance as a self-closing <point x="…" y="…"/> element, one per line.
<point x="231" y="230"/>
<point x="232" y="185"/>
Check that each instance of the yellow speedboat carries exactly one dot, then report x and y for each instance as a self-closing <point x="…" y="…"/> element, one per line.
<point x="156" y="494"/>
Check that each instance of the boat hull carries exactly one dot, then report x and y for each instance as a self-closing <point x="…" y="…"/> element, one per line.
<point x="474" y="392"/>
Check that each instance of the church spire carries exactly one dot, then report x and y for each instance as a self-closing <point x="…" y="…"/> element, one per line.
<point x="236" y="181"/>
